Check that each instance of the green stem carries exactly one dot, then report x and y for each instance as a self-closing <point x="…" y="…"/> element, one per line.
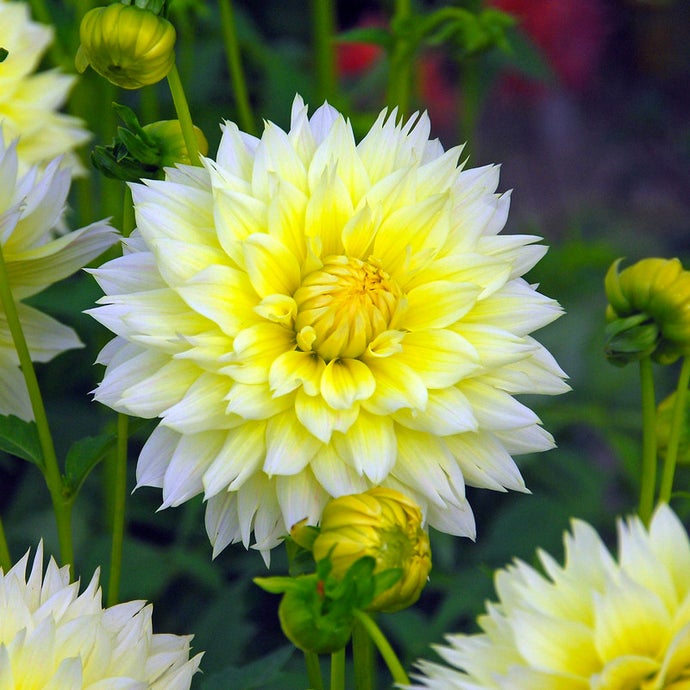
<point x="183" y="115"/>
<point x="119" y="500"/>
<point x="62" y="503"/>
<point x="470" y="98"/>
<point x="648" y="480"/>
<point x="363" y="656"/>
<point x="5" y="558"/>
<point x="323" y="13"/>
<point x="311" y="659"/>
<point x="338" y="670"/>
<point x="128" y="221"/>
<point x="58" y="56"/>
<point x="232" y="52"/>
<point x="384" y="647"/>
<point x="400" y="60"/>
<point x="677" y="424"/>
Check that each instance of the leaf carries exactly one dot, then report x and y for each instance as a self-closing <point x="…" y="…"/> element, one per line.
<point x="252" y="676"/>
<point x="83" y="456"/>
<point x="373" y="35"/>
<point x="20" y="438"/>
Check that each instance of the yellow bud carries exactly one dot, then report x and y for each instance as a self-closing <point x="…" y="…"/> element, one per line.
<point x="660" y="290"/>
<point x="129" y="46"/>
<point x="168" y="136"/>
<point x="386" y="525"/>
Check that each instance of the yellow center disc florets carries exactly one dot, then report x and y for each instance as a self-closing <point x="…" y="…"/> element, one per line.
<point x="343" y="306"/>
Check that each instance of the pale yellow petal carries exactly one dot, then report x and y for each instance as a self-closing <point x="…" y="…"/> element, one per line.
<point x="272" y="269"/>
<point x="345" y="381"/>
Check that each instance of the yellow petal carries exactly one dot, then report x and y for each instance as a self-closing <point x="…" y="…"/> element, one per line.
<point x="344" y="381"/>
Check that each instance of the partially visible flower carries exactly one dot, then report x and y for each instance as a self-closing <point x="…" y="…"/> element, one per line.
<point x="649" y="309"/>
<point x="310" y="317"/>
<point x="594" y="623"/>
<point x="30" y="208"/>
<point x="54" y="638"/>
<point x="355" y="59"/>
<point x="386" y="525"/>
<point x="128" y="45"/>
<point x="29" y="101"/>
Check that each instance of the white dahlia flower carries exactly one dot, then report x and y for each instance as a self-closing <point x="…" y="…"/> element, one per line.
<point x="30" y="208"/>
<point x="310" y="317"/>
<point x="30" y="101"/>
<point x="593" y="624"/>
<point x="53" y="638"/>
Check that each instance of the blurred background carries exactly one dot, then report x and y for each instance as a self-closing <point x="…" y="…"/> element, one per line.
<point x="586" y="109"/>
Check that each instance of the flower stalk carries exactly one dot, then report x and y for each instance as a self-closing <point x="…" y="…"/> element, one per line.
<point x="338" y="670"/>
<point x="237" y="78"/>
<point x="648" y="482"/>
<point x="5" y="558"/>
<point x="379" y="639"/>
<point x="183" y="115"/>
<point x="323" y="13"/>
<point x="669" y="469"/>
<point x="399" y="75"/>
<point x="62" y="503"/>
<point x="311" y="659"/>
<point x="119" y="489"/>
<point x="363" y="656"/>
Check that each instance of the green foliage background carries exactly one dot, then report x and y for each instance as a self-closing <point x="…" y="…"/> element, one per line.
<point x="610" y="178"/>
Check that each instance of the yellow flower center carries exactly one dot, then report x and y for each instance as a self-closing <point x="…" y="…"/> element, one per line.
<point x="343" y="306"/>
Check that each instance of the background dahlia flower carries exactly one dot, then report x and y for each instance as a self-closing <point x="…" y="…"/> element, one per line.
<point x="53" y="638"/>
<point x="311" y="317"/>
<point x="594" y="623"/>
<point x="29" y="101"/>
<point x="31" y="205"/>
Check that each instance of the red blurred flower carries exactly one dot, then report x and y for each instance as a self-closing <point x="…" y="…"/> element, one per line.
<point x="354" y="59"/>
<point x="570" y="34"/>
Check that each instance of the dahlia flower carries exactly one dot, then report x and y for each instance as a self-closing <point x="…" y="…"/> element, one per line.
<point x="52" y="637"/>
<point x="30" y="207"/>
<point x="310" y="317"/>
<point x="594" y="623"/>
<point x="29" y="101"/>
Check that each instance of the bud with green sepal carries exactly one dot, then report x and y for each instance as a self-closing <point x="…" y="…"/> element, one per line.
<point x="142" y="152"/>
<point x="130" y="45"/>
<point x="648" y="311"/>
<point x="317" y="611"/>
<point x="386" y="525"/>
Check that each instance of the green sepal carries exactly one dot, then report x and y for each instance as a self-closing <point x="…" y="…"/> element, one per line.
<point x="630" y="339"/>
<point x="20" y="438"/>
<point x="317" y="610"/>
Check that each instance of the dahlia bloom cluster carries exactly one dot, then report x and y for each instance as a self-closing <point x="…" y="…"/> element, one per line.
<point x="31" y="206"/>
<point x="595" y="622"/>
<point x="52" y="637"/>
<point x="29" y="101"/>
<point x="311" y="317"/>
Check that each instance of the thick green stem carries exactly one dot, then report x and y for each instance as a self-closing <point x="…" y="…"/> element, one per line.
<point x="313" y="671"/>
<point x="400" y="61"/>
<point x="119" y="490"/>
<point x="5" y="558"/>
<point x="323" y="13"/>
<point x="62" y="504"/>
<point x="237" y="79"/>
<point x="338" y="670"/>
<point x="183" y="115"/>
<point x="384" y="647"/>
<point x="648" y="480"/>
<point x="58" y="56"/>
<point x="677" y="423"/>
<point x="363" y="657"/>
<point x="128" y="221"/>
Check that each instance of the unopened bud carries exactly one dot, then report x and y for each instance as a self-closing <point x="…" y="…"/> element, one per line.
<point x="385" y="525"/>
<point x="130" y="46"/>
<point x="648" y="311"/>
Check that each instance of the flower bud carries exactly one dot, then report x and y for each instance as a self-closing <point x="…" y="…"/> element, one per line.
<point x="648" y="311"/>
<point x="386" y="525"/>
<point x="130" y="46"/>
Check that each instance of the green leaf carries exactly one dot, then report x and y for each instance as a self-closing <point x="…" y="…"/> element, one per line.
<point x="83" y="456"/>
<point x="373" y="35"/>
<point x="252" y="676"/>
<point x="20" y="438"/>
